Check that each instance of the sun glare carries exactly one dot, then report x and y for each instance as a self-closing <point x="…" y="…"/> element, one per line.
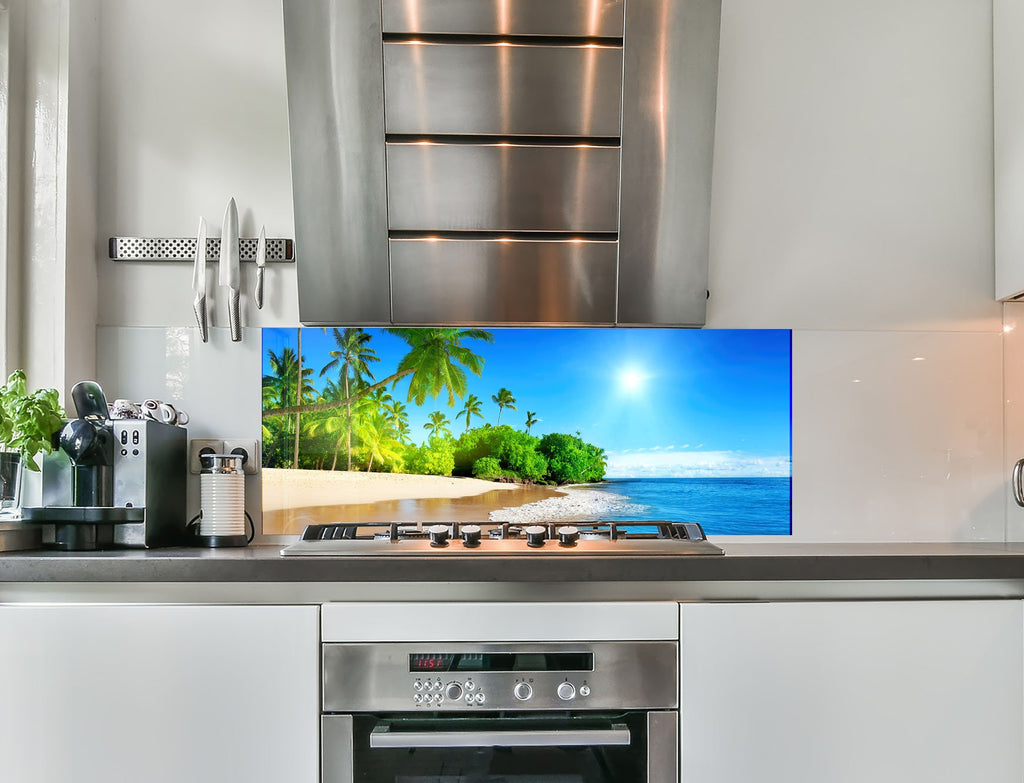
<point x="631" y="379"/>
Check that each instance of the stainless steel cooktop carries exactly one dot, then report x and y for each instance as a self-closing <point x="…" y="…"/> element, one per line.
<point x="501" y="539"/>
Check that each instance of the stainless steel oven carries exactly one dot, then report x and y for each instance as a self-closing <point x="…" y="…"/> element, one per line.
<point x="518" y="712"/>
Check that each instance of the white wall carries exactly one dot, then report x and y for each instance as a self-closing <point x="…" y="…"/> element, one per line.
<point x="852" y="203"/>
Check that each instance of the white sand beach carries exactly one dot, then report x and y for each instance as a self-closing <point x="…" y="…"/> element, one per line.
<point x="293" y="499"/>
<point x="284" y="488"/>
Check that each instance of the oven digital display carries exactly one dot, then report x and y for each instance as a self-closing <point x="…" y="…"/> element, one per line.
<point x="502" y="662"/>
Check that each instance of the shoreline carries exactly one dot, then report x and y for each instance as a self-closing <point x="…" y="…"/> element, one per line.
<point x="293" y="499"/>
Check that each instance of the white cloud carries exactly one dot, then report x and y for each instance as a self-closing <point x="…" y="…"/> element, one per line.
<point x="696" y="464"/>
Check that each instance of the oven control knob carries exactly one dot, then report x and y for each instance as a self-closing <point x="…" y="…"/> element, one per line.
<point x="453" y="691"/>
<point x="535" y="535"/>
<point x="471" y="535"/>
<point x="522" y="691"/>
<point x="566" y="691"/>
<point x="568" y="535"/>
<point x="438" y="535"/>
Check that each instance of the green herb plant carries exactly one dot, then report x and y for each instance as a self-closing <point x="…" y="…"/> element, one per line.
<point x="28" y="422"/>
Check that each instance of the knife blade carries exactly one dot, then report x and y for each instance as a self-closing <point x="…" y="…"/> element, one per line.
<point x="261" y="262"/>
<point x="228" y="268"/>
<point x="199" y="282"/>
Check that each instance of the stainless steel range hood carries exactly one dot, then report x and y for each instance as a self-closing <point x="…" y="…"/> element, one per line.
<point x="502" y="161"/>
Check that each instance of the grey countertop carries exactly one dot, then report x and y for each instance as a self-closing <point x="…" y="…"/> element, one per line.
<point x="744" y="563"/>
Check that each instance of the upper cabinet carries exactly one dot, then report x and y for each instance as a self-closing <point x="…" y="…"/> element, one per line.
<point x="1008" y="136"/>
<point x="515" y="162"/>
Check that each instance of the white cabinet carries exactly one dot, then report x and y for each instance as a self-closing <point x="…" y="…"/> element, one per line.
<point x="887" y="692"/>
<point x="159" y="694"/>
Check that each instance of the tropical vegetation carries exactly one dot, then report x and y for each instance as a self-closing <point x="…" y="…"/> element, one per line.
<point x="353" y="421"/>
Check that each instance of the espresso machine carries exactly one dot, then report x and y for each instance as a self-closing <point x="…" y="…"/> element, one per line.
<point x="113" y="482"/>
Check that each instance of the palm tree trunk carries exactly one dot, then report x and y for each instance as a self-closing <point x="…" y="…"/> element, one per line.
<point x="298" y="400"/>
<point x="348" y="407"/>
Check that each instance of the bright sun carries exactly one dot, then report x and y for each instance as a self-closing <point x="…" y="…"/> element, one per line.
<point x="631" y="379"/>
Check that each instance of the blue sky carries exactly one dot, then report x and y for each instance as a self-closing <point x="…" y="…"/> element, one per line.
<point x="660" y="402"/>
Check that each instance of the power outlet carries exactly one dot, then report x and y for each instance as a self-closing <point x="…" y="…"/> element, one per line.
<point x="198" y="446"/>
<point x="250" y="451"/>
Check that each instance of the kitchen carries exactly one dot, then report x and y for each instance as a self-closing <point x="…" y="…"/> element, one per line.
<point x="852" y="202"/>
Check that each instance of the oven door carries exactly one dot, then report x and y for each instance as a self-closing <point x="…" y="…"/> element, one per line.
<point x="638" y="747"/>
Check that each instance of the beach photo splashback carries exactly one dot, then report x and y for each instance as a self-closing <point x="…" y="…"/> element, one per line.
<point x="526" y="425"/>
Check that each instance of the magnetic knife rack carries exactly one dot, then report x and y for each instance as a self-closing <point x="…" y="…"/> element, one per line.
<point x="279" y="251"/>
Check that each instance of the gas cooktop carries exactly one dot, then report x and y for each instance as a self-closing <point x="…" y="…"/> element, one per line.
<point x="490" y="538"/>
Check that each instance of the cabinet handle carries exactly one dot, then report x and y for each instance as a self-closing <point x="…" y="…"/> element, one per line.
<point x="1018" y="490"/>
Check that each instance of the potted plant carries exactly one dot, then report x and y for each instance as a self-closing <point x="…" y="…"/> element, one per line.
<point x="28" y="423"/>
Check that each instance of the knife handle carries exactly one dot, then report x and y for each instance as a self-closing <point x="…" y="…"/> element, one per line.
<point x="199" y="305"/>
<point x="234" y="316"/>
<point x="258" y="295"/>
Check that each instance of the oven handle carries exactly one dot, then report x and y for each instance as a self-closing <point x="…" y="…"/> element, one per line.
<point x="383" y="737"/>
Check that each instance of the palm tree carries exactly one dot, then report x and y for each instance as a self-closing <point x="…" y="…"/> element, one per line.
<point x="378" y="436"/>
<point x="531" y="419"/>
<point x="472" y="407"/>
<point x="399" y="418"/>
<point x="437" y="361"/>
<point x="437" y="424"/>
<point x="283" y="384"/>
<point x="354" y="355"/>
<point x="504" y="399"/>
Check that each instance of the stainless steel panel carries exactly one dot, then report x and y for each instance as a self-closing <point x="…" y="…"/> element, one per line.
<point x="662" y="747"/>
<point x="336" y="746"/>
<point x="502" y="187"/>
<point x="494" y="281"/>
<point x="598" y="18"/>
<point x="670" y="76"/>
<point x="376" y="677"/>
<point x="336" y="121"/>
<point x="502" y="89"/>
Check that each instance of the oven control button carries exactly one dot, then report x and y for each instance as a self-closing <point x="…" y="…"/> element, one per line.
<point x="469" y="699"/>
<point x="417" y="686"/>
<point x="584" y="690"/>
<point x="417" y="699"/>
<point x="535" y="535"/>
<point x="438" y="535"/>
<point x="479" y="698"/>
<point x="453" y="691"/>
<point x="438" y="698"/>
<point x="470" y="685"/>
<point x="566" y="691"/>
<point x="522" y="691"/>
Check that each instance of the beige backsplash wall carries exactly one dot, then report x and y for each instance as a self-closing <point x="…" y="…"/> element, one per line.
<point x="852" y="203"/>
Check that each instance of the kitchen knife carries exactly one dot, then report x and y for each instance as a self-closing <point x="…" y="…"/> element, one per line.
<point x="261" y="262"/>
<point x="229" y="275"/>
<point x="199" y="282"/>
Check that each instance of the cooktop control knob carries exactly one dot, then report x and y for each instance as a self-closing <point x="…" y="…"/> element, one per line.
<point x="566" y="691"/>
<point x="438" y="535"/>
<point x="535" y="535"/>
<point x="568" y="535"/>
<point x="453" y="691"/>
<point x="471" y="535"/>
<point x="523" y="691"/>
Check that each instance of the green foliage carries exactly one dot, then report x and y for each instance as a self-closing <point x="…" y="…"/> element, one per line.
<point x="570" y="460"/>
<point x="515" y="451"/>
<point x="432" y="459"/>
<point x="487" y="468"/>
<point x="28" y="422"/>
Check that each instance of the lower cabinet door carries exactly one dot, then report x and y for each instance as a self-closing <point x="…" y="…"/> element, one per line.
<point x="850" y="692"/>
<point x="159" y="694"/>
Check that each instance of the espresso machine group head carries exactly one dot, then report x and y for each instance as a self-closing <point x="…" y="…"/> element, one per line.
<point x="117" y="482"/>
